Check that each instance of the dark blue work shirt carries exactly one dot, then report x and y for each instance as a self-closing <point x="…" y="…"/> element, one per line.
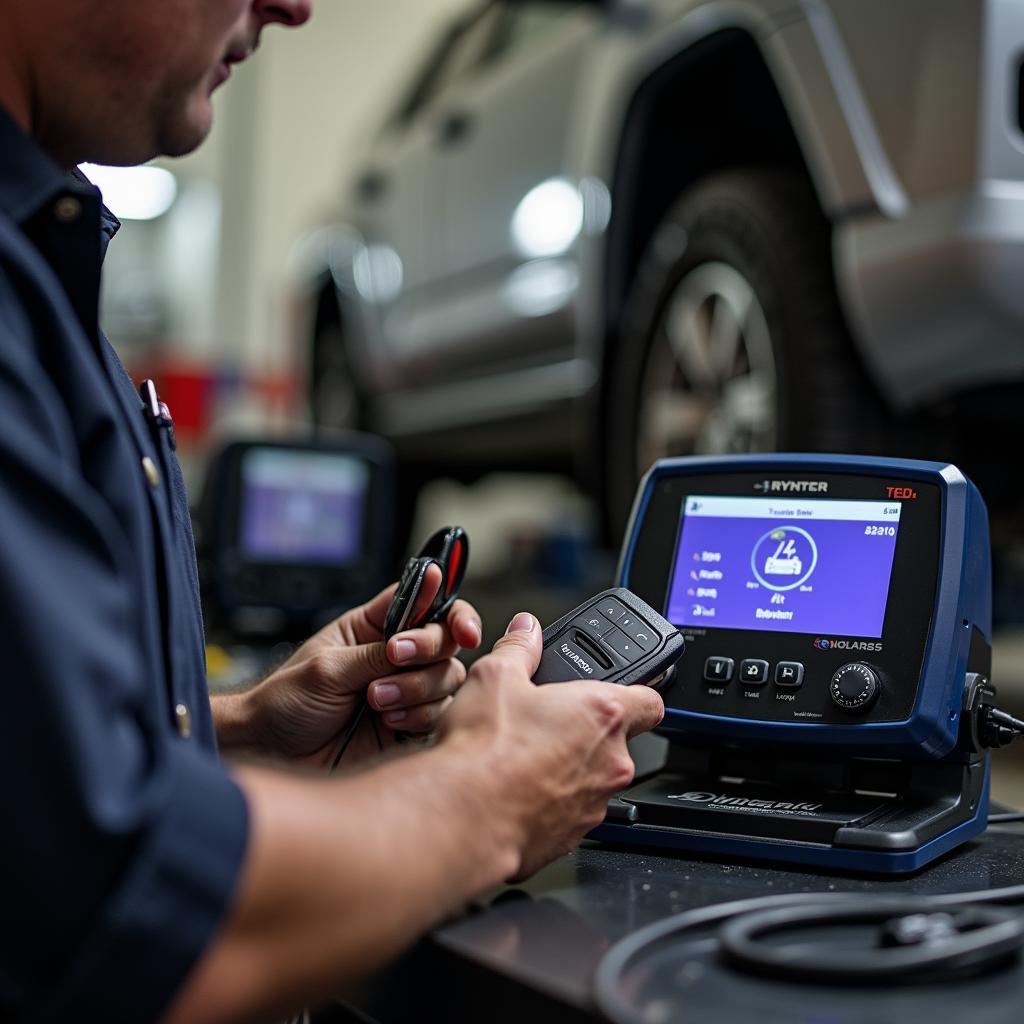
<point x="122" y="834"/>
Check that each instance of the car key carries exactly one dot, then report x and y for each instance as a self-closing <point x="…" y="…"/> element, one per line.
<point x="614" y="637"/>
<point x="448" y="549"/>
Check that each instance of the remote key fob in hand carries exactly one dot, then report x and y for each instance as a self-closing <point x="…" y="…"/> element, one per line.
<point x="614" y="637"/>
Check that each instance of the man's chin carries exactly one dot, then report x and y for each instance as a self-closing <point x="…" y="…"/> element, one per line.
<point x="186" y="134"/>
<point x="181" y="145"/>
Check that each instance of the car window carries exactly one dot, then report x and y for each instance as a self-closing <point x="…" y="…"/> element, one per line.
<point x="525" y="23"/>
<point x="461" y="51"/>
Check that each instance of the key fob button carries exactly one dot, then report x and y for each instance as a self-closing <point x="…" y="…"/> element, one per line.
<point x="623" y="645"/>
<point x="612" y="610"/>
<point x="593" y="623"/>
<point x="638" y="630"/>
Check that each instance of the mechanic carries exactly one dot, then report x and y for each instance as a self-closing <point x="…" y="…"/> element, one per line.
<point x="146" y="880"/>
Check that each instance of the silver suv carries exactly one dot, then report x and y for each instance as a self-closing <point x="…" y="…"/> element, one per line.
<point x="596" y="233"/>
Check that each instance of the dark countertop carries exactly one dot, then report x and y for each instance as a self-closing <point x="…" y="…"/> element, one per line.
<point x="530" y="951"/>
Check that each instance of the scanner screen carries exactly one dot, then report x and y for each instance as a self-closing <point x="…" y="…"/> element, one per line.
<point x="789" y="565"/>
<point x="302" y="507"/>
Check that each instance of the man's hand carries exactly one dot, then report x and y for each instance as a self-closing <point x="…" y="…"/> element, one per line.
<point x="300" y="711"/>
<point x="557" y="752"/>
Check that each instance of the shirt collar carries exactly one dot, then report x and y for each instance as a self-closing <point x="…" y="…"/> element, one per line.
<point x="29" y="179"/>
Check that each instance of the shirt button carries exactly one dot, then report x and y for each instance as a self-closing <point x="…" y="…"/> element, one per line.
<point x="67" y="209"/>
<point x="152" y="473"/>
<point x="183" y="720"/>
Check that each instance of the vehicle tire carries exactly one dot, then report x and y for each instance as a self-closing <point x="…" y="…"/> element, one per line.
<point x="733" y="339"/>
<point x="334" y="399"/>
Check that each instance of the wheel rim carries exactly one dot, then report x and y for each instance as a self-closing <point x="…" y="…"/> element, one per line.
<point x="709" y="384"/>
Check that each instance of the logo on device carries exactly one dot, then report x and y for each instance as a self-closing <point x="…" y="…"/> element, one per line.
<point x="719" y="800"/>
<point x="824" y="644"/>
<point x="792" y="486"/>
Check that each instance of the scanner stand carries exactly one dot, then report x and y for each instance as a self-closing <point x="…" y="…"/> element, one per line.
<point x="858" y="813"/>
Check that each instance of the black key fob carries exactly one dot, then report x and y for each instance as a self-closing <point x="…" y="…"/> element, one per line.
<point x="449" y="550"/>
<point x="614" y="637"/>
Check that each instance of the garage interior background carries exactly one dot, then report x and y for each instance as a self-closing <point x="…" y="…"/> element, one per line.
<point x="200" y="293"/>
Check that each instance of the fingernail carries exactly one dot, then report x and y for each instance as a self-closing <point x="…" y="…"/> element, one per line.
<point x="522" y="623"/>
<point x="404" y="650"/>
<point x="386" y="693"/>
<point x="394" y="717"/>
<point x="478" y="630"/>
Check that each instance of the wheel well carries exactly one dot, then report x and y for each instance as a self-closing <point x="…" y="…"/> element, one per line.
<point x="326" y="308"/>
<point x="712" y="107"/>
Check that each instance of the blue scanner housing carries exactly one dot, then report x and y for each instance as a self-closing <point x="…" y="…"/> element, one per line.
<point x="893" y="776"/>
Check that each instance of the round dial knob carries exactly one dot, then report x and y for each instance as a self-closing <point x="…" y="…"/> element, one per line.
<point x="855" y="687"/>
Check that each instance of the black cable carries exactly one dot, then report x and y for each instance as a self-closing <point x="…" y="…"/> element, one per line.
<point x="934" y="961"/>
<point x="353" y="728"/>
<point x="1005" y="818"/>
<point x="918" y="945"/>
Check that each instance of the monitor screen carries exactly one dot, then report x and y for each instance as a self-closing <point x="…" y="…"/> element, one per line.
<point x="300" y="507"/>
<point x="788" y="565"/>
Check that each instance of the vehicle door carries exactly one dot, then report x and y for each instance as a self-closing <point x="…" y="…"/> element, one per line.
<point x="397" y="262"/>
<point x="504" y="133"/>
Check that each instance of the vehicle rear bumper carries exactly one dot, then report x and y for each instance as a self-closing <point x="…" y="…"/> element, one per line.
<point x="935" y="299"/>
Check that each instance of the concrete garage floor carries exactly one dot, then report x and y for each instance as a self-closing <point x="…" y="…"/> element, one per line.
<point x="530" y="549"/>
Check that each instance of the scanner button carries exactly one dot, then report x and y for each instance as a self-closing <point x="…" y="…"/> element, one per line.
<point x="718" y="670"/>
<point x="623" y="645"/>
<point x="789" y="675"/>
<point x="753" y="672"/>
<point x="639" y="631"/>
<point x="592" y="623"/>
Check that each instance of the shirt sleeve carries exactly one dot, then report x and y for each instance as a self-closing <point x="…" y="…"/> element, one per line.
<point x="122" y="842"/>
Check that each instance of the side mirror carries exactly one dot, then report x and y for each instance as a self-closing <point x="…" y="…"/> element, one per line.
<point x="290" y="534"/>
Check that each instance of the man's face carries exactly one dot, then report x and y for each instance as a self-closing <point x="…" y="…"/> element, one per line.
<point x="130" y="79"/>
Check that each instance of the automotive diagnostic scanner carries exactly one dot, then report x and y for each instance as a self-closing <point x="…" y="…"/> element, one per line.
<point x="833" y="705"/>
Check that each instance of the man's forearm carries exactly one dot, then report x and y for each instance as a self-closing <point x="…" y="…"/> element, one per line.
<point x="341" y="874"/>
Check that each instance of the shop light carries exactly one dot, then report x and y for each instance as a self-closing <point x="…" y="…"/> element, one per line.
<point x="134" y="193"/>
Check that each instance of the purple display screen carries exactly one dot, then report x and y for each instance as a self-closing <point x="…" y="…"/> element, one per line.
<point x="302" y="506"/>
<point x="784" y="565"/>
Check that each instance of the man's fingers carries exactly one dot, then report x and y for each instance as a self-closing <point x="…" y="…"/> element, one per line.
<point x="423" y="718"/>
<point x="643" y="706"/>
<point x="408" y="689"/>
<point x="432" y="580"/>
<point x="422" y="646"/>
<point x="464" y="623"/>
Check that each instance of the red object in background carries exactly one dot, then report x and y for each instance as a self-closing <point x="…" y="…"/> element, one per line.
<point x="197" y="393"/>
<point x="187" y="393"/>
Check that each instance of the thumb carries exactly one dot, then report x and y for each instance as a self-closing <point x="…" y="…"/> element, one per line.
<point x="356" y="667"/>
<point x="521" y="646"/>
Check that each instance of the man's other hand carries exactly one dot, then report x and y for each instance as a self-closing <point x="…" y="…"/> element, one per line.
<point x="301" y="710"/>
<point x="558" y="751"/>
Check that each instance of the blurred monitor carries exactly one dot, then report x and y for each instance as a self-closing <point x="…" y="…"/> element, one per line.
<point x="291" y="533"/>
<point x="299" y="506"/>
